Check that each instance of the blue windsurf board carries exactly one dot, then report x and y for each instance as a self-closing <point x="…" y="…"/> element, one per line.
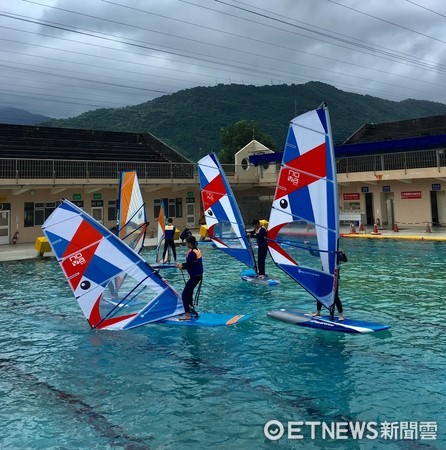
<point x="207" y="320"/>
<point x="250" y="276"/>
<point x="324" y="323"/>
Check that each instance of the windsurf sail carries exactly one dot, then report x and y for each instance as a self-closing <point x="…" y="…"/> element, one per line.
<point x="93" y="258"/>
<point x="303" y="234"/>
<point x="132" y="220"/>
<point x="160" y="233"/>
<point x="223" y="218"/>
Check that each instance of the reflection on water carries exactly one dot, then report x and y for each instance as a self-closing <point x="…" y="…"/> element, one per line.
<point x="65" y="386"/>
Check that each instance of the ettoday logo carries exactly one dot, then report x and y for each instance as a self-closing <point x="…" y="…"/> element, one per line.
<point x="314" y="429"/>
<point x="273" y="430"/>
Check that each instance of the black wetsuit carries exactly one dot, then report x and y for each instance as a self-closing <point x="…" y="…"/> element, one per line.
<point x="169" y="241"/>
<point x="260" y="235"/>
<point x="194" y="267"/>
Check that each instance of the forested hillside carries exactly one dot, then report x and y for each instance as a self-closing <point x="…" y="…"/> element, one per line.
<point x="190" y="120"/>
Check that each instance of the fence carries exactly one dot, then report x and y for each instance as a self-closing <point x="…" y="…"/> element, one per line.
<point x="19" y="169"/>
<point x="419" y="159"/>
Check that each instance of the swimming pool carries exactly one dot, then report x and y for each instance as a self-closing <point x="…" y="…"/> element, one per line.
<point x="65" y="386"/>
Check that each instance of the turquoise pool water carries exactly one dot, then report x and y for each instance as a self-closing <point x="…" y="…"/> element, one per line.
<point x="65" y="386"/>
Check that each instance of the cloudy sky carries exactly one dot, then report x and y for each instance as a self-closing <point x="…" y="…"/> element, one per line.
<point x="61" y="58"/>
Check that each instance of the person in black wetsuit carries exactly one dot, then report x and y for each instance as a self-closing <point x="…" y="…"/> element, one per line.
<point x="337" y="301"/>
<point x="169" y="240"/>
<point x="184" y="234"/>
<point x="194" y="267"/>
<point x="260" y="233"/>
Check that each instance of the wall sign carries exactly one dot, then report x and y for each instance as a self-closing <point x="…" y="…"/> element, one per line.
<point x="436" y="187"/>
<point x="352" y="196"/>
<point x="364" y="189"/>
<point x="410" y="194"/>
<point x="77" y="196"/>
<point x="386" y="188"/>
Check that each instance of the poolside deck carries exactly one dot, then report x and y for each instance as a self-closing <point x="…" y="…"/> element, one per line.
<point x="410" y="233"/>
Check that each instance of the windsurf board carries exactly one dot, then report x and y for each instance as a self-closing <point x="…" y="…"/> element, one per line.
<point x="250" y="276"/>
<point x="324" y="323"/>
<point x="206" y="320"/>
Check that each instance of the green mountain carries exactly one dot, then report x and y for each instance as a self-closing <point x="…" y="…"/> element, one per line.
<point x="190" y="120"/>
<point x="17" y="116"/>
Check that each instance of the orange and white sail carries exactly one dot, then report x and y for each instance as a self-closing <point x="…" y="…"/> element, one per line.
<point x="132" y="220"/>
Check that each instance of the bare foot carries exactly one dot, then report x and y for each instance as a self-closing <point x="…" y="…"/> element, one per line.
<point x="185" y="317"/>
<point x="316" y="314"/>
<point x="341" y="317"/>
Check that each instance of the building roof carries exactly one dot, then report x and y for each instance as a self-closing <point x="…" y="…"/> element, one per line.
<point x="35" y="142"/>
<point x="394" y="137"/>
<point x="402" y="129"/>
<point x="390" y="137"/>
<point x="255" y="146"/>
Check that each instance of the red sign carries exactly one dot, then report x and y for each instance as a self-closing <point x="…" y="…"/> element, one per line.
<point x="410" y="194"/>
<point x="353" y="196"/>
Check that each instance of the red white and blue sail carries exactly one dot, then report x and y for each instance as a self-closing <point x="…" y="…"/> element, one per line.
<point x="303" y="234"/>
<point x="221" y="212"/>
<point x="132" y="220"/>
<point x="115" y="288"/>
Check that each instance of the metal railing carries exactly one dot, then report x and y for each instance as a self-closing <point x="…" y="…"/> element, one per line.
<point x="58" y="169"/>
<point x="18" y="169"/>
<point x="420" y="159"/>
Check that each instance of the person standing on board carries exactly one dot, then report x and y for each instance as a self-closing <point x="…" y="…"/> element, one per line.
<point x="194" y="267"/>
<point x="169" y="240"/>
<point x="259" y="233"/>
<point x="337" y="301"/>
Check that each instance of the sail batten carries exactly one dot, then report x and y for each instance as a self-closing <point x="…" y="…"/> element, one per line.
<point x="115" y="288"/>
<point x="303" y="234"/>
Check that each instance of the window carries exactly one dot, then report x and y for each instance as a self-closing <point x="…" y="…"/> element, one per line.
<point x="37" y="213"/>
<point x="178" y="207"/>
<point x="49" y="208"/>
<point x="173" y="207"/>
<point x="111" y="211"/>
<point x="29" y="214"/>
<point x="245" y="164"/>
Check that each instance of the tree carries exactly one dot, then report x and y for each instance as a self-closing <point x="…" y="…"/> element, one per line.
<point x="234" y="137"/>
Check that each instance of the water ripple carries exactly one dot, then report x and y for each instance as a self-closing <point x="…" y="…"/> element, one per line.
<point x="65" y="386"/>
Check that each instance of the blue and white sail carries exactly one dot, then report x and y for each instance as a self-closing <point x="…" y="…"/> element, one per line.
<point x="303" y="235"/>
<point x="221" y="212"/>
<point x="115" y="288"/>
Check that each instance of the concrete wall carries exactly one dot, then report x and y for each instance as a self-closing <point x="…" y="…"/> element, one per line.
<point x="18" y="198"/>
